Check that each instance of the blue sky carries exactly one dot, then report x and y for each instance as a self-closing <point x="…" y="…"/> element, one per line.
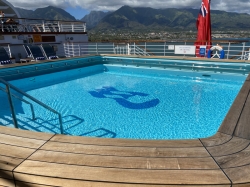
<point x="79" y="8"/>
<point x="77" y="12"/>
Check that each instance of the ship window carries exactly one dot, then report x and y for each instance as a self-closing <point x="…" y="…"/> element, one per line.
<point x="1" y="37"/>
<point x="48" y="38"/>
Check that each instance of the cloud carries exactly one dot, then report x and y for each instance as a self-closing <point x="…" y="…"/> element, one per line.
<point x="241" y="6"/>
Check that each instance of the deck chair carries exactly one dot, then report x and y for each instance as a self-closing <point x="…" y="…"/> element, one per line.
<point x="48" y="51"/>
<point x="27" y="50"/>
<point x="4" y="57"/>
<point x="35" y="52"/>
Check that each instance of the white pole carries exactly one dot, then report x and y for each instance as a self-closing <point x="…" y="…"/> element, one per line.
<point x="228" y="49"/>
<point x="242" y="53"/>
<point x="249" y="54"/>
<point x="128" y="49"/>
<point x="134" y="48"/>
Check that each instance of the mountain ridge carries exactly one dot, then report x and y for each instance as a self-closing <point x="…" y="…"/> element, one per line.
<point x="169" y="19"/>
<point x="94" y="17"/>
<point x="48" y="13"/>
<point x="144" y="18"/>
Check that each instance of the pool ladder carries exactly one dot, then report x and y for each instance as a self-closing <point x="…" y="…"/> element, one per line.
<point x="10" y="95"/>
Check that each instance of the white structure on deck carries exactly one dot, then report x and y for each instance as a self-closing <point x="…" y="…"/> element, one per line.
<point x="16" y="31"/>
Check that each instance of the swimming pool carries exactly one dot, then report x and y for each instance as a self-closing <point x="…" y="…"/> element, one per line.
<point x="128" y="102"/>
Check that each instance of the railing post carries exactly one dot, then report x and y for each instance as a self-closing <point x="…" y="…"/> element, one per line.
<point x="59" y="27"/>
<point x="128" y="49"/>
<point x="12" y="107"/>
<point x="79" y="47"/>
<point x="185" y="44"/>
<point x="134" y="48"/>
<point x="164" y="48"/>
<point x="73" y="50"/>
<point x="243" y="49"/>
<point x="9" y="50"/>
<point x="249" y="54"/>
<point x="229" y="45"/>
<point x="72" y="27"/>
<point x="84" y="27"/>
<point x="43" y="26"/>
<point x="96" y="48"/>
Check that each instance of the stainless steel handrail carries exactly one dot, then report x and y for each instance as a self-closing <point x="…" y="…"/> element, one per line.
<point x="8" y="86"/>
<point x="31" y="105"/>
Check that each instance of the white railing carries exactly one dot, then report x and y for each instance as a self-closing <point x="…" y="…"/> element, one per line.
<point x="40" y="25"/>
<point x="237" y="51"/>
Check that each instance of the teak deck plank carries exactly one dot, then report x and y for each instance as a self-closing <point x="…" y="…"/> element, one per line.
<point x="15" y="151"/>
<point x="70" y="182"/>
<point x="6" y="174"/>
<point x="126" y="151"/>
<point x="230" y="122"/>
<point x="26" y="184"/>
<point x="124" y="162"/>
<point x="6" y="183"/>
<point x="9" y="163"/>
<point x="242" y="185"/>
<point x="233" y="146"/>
<point x="217" y="139"/>
<point x="123" y="175"/>
<point x="239" y="174"/>
<point x="126" y="142"/>
<point x="25" y="133"/>
<point x="21" y="141"/>
<point x="234" y="160"/>
<point x="243" y="130"/>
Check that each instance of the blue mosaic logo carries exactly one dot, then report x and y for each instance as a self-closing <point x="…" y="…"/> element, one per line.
<point x="121" y="97"/>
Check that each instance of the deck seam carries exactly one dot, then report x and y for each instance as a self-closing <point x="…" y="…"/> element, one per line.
<point x="18" y="145"/>
<point x="115" y="145"/>
<point x="113" y="182"/>
<point x="21" y="136"/>
<point x="35" y="150"/>
<point x="130" y="156"/>
<point x="223" y="142"/>
<point x="231" y="183"/>
<point x="234" y="152"/>
<point x="119" y="156"/>
<point x="109" y="167"/>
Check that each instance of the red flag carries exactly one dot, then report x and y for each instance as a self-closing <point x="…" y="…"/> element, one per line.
<point x="203" y="25"/>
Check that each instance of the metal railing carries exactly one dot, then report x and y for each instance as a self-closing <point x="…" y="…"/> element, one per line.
<point x="233" y="50"/>
<point x="141" y="51"/>
<point x="9" y="94"/>
<point x="40" y="25"/>
<point x="27" y="102"/>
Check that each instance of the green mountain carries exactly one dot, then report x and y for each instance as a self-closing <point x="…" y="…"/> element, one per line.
<point x="93" y="18"/>
<point x="48" y="13"/>
<point x="145" y="19"/>
<point x="128" y="18"/>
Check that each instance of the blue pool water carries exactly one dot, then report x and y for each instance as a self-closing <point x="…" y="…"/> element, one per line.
<point x="126" y="102"/>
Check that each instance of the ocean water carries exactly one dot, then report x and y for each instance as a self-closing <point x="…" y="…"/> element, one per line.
<point x="115" y="102"/>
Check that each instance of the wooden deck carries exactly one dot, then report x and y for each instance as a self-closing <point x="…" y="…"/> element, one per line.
<point x="31" y="159"/>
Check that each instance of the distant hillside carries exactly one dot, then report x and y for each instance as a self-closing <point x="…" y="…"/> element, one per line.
<point x="49" y="13"/>
<point x="128" y="18"/>
<point x="144" y="19"/>
<point x="93" y="18"/>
